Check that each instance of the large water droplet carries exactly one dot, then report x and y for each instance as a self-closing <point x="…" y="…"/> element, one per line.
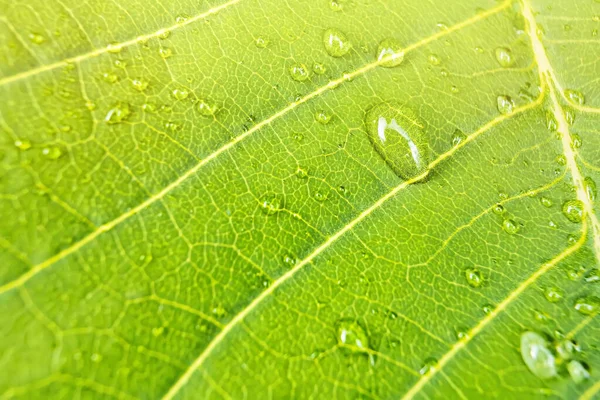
<point x="509" y="226"/>
<point x="538" y="358"/>
<point x="399" y="136"/>
<point x="574" y="96"/>
<point x="588" y="305"/>
<point x="350" y="334"/>
<point x="336" y="43"/>
<point x="391" y="50"/>
<point x="504" y="57"/>
<point x="474" y="277"/>
<point x="578" y="371"/>
<point x="299" y="72"/>
<point x="118" y="113"/>
<point x="506" y="104"/>
<point x="573" y="210"/>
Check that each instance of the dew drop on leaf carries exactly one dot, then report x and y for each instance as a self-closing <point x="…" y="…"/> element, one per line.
<point x="505" y="104"/>
<point x="400" y="138"/>
<point x="322" y="117"/>
<point x="336" y="5"/>
<point x="206" y="108"/>
<point x="22" y="144"/>
<point x="114" y="48"/>
<point x="139" y="84"/>
<point x="118" y="113"/>
<point x="301" y="173"/>
<point x="392" y="51"/>
<point x="299" y="72"/>
<point x="120" y="64"/>
<point x="336" y="43"/>
<point x="109" y="77"/>
<point x="566" y="349"/>
<point x="576" y="141"/>
<point x="351" y="335"/>
<point x="573" y="210"/>
<point x="52" y="153"/>
<point x="434" y="59"/>
<point x="509" y="226"/>
<point x="458" y="137"/>
<point x="590" y="188"/>
<point x="271" y="204"/>
<point x="180" y="94"/>
<point x="261" y="42"/>
<point x="429" y="365"/>
<point x="593" y="276"/>
<point x="498" y="209"/>
<point x="536" y="355"/>
<point x="553" y="294"/>
<point x="36" y="38"/>
<point x="474" y="277"/>
<point x="504" y="57"/>
<point x="578" y="371"/>
<point x="165" y="52"/>
<point x="575" y="273"/>
<point x="587" y="305"/>
<point x="574" y="96"/>
<point x="320" y="196"/>
<point x="546" y="202"/>
<point x="319" y="68"/>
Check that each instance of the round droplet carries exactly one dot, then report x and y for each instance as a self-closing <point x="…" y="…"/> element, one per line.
<point x="538" y="358"/>
<point x="52" y="153"/>
<point x="336" y="43"/>
<point x="322" y="117"/>
<point x="36" y="38"/>
<point x="120" y="64"/>
<point x="546" y="202"/>
<point x="434" y="59"/>
<point x="578" y="371"/>
<point x="587" y="305"/>
<point x="590" y="188"/>
<point x="498" y="209"/>
<point x="22" y="144"/>
<point x="400" y="138"/>
<point x="429" y="365"/>
<point x="458" y="137"/>
<point x="575" y="273"/>
<point x="509" y="226"/>
<point x="336" y="5"/>
<point x="206" y="108"/>
<point x="505" y="104"/>
<point x="165" y="52"/>
<point x="271" y="204"/>
<point x="181" y="94"/>
<point x="118" y="113"/>
<point x="261" y="42"/>
<point x="573" y="210"/>
<point x="350" y="334"/>
<point x="319" y="68"/>
<point x="109" y="77"/>
<point x="299" y="72"/>
<point x="574" y="96"/>
<point x="139" y="84"/>
<point x="553" y="294"/>
<point x="320" y="196"/>
<point x="163" y="34"/>
<point x="474" y="277"/>
<point x="504" y="57"/>
<point x="391" y="51"/>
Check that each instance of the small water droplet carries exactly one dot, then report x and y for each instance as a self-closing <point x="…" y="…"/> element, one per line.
<point x="578" y="371"/>
<point x="261" y="42"/>
<point x="322" y="117"/>
<point x="118" y="113"/>
<point x="504" y="57"/>
<point x="289" y="260"/>
<point x="593" y="276"/>
<point x="553" y="294"/>
<point x="458" y="137"/>
<point x="505" y="104"/>
<point x="336" y="5"/>
<point x="271" y="204"/>
<point x="180" y="94"/>
<point x="400" y="138"/>
<point x="574" y="96"/>
<point x="114" y="48"/>
<point x="566" y="349"/>
<point x="165" y="52"/>
<point x="301" y="173"/>
<point x="474" y="277"/>
<point x="536" y="355"/>
<point x="36" y="38"/>
<point x="90" y="105"/>
<point x="590" y="188"/>
<point x="429" y="365"/>
<point x="509" y="226"/>
<point x="206" y="108"/>
<point x="319" y="68"/>
<point x="109" y="77"/>
<point x="120" y="64"/>
<point x="576" y="141"/>
<point x="351" y="335"/>
<point x="139" y="84"/>
<point x="487" y="309"/>
<point x="299" y="72"/>
<point x="390" y="50"/>
<point x="498" y="209"/>
<point x="546" y="202"/>
<point x="587" y="305"/>
<point x="434" y="59"/>
<point x="52" y="153"/>
<point x="573" y="210"/>
<point x="575" y="273"/>
<point x="336" y="43"/>
<point x="551" y="123"/>
<point x="320" y="196"/>
<point x="22" y="144"/>
<point x="180" y="19"/>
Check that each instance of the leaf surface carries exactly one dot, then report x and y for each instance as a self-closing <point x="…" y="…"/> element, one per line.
<point x="187" y="214"/>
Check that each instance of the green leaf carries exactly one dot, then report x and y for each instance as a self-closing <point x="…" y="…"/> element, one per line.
<point x="299" y="199"/>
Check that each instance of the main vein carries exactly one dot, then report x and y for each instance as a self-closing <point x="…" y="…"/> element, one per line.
<point x="173" y="185"/>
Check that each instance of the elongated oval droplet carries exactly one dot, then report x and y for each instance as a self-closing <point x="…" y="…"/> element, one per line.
<point x="336" y="43"/>
<point x="538" y="358"/>
<point x="391" y="50"/>
<point x="400" y="137"/>
<point x="351" y="334"/>
<point x="506" y="104"/>
<point x="578" y="371"/>
<point x="588" y="305"/>
<point x="504" y="57"/>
